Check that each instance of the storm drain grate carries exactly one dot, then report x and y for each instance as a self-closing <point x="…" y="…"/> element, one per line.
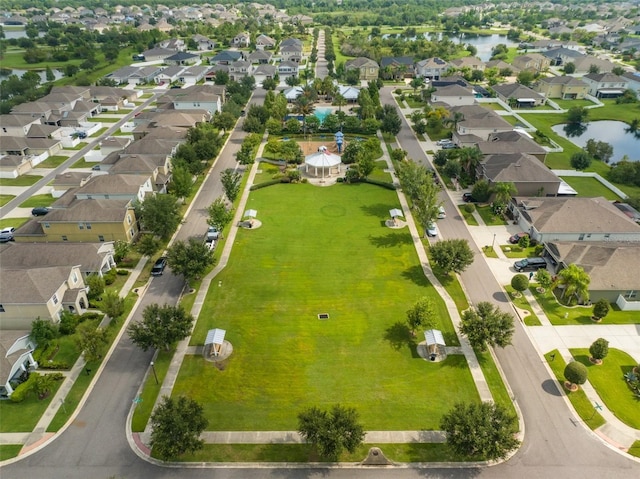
<point x="323" y="316"/>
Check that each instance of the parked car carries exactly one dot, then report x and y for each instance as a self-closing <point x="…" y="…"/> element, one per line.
<point x="96" y="168"/>
<point x="210" y="244"/>
<point x="444" y="141"/>
<point x="40" y="211"/>
<point x="449" y="146"/>
<point x="158" y="266"/>
<point x="6" y="234"/>
<point x="515" y="239"/>
<point x="212" y="234"/>
<point x="530" y="264"/>
<point x="432" y="230"/>
<point x="467" y="198"/>
<point x="441" y="213"/>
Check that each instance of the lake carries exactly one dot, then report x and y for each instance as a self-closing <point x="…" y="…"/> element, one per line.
<point x="43" y="74"/>
<point x="613" y="132"/>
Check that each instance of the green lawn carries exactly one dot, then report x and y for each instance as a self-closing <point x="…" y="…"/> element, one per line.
<point x="103" y="119"/>
<point x="578" y="399"/>
<point x="590" y="187"/>
<point x="488" y="217"/>
<point x="566" y="104"/>
<point x="24" y="180"/>
<point x="150" y="391"/>
<point x="4" y="199"/>
<point x="53" y="161"/>
<point x="98" y="133"/>
<point x="579" y="314"/>
<point x="7" y="451"/>
<point x="38" y="200"/>
<point x="15" y="222"/>
<point x="515" y="251"/>
<point x="81" y="163"/>
<point x="468" y="217"/>
<point x="494" y="380"/>
<point x="531" y="319"/>
<point x="634" y="450"/>
<point x="608" y="381"/>
<point x="322" y="250"/>
<point x="23" y="416"/>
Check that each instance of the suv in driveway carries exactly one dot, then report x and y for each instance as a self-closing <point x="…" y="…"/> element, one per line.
<point x="158" y="266"/>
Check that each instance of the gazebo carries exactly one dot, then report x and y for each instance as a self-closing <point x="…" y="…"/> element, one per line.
<point x="214" y="341"/>
<point x="436" y="347"/>
<point x="322" y="159"/>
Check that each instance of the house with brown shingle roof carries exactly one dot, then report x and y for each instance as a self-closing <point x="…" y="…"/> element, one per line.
<point x="368" y="69"/>
<point x="477" y="121"/>
<point x="508" y="142"/>
<point x="528" y="174"/>
<point x="565" y="87"/>
<point x="520" y="95"/>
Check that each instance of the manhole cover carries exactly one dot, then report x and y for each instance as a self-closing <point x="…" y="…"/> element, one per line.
<point x="323" y="316"/>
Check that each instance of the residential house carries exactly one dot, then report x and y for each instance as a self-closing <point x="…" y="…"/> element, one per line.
<point x="262" y="72"/>
<point x="135" y="75"/>
<point x="158" y="167"/>
<point x="368" y="69"/>
<point x="533" y="62"/>
<point x="29" y="147"/>
<point x="241" y="40"/>
<point x="301" y="19"/>
<point x="573" y="219"/>
<point x="91" y="258"/>
<point x="291" y="53"/>
<point x="292" y="93"/>
<point x="509" y="142"/>
<point x="605" y="85"/>
<point x="529" y="175"/>
<point x="453" y="95"/>
<point x="612" y="267"/>
<point x="16" y="359"/>
<point x="112" y="98"/>
<point x="265" y="42"/>
<point x="68" y="180"/>
<point x="213" y="70"/>
<point x="12" y="166"/>
<point x="113" y="187"/>
<point x="45" y="131"/>
<point x="157" y="54"/>
<point x="204" y="43"/>
<point x="170" y="74"/>
<point x="17" y="125"/>
<point x="193" y="75"/>
<point x="226" y="57"/>
<point x="182" y="58"/>
<point x="561" y="56"/>
<point x="287" y="69"/>
<point x="590" y="63"/>
<point x="170" y="119"/>
<point x="349" y="93"/>
<point x="206" y="97"/>
<point x="633" y="80"/>
<point x="502" y="66"/>
<point x="238" y="70"/>
<point x="287" y="42"/>
<point x="175" y="44"/>
<point x="260" y="57"/>
<point x="468" y="63"/>
<point x="519" y="96"/>
<point x="564" y="87"/>
<point x="477" y="121"/>
<point x="44" y="292"/>
<point x="397" y="67"/>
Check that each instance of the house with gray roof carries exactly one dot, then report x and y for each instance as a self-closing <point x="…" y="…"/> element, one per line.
<point x="453" y="95"/>
<point x="265" y="42"/>
<point x="259" y="57"/>
<point x="533" y="62"/>
<point x="368" y="69"/>
<point x="605" y="85"/>
<point x="561" y="56"/>
<point x="477" y="121"/>
<point x="169" y="74"/>
<point x="157" y="54"/>
<point x="573" y="219"/>
<point x="528" y="174"/>
<point x="226" y="57"/>
<point x="17" y="125"/>
<point x="586" y="63"/>
<point x="565" y="87"/>
<point x="193" y="74"/>
<point x="130" y="187"/>
<point x="16" y="359"/>
<point x="519" y="95"/>
<point x="262" y="72"/>
<point x="182" y="58"/>
<point x="291" y="53"/>
<point x="397" y="67"/>
<point x="612" y="267"/>
<point x="509" y="142"/>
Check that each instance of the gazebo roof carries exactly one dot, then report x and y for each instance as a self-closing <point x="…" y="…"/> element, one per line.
<point x="434" y="336"/>
<point x="215" y="336"/>
<point x="323" y="158"/>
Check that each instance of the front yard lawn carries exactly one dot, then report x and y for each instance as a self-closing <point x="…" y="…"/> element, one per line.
<point x="4" y="199"/>
<point x="322" y="250"/>
<point x="489" y="218"/>
<point x="38" y="200"/>
<point x="53" y="161"/>
<point x="521" y="303"/>
<point x="608" y="381"/>
<point x="24" y="180"/>
<point x="515" y="251"/>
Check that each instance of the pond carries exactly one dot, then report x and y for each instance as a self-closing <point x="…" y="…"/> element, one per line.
<point x="616" y="133"/>
<point x="43" y="74"/>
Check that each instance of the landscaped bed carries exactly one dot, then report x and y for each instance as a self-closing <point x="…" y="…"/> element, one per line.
<point x="322" y="250"/>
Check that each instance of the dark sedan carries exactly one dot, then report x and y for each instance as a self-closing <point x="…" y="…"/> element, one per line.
<point x="40" y="211"/>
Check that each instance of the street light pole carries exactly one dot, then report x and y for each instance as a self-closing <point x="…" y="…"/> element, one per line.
<point x="154" y="372"/>
<point x="494" y="242"/>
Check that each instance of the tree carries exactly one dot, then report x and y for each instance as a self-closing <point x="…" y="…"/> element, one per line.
<point x="575" y="281"/>
<point x="391" y="122"/>
<point x="366" y="165"/>
<point x="112" y="304"/>
<point x="575" y="373"/>
<point x="577" y="114"/>
<point x="520" y="282"/>
<point x="601" y="309"/>
<point x="481" y="191"/>
<point x="91" y="340"/>
<point x="160" y="327"/>
<point x="580" y="160"/>
<point x="160" y="214"/>
<point x="525" y="77"/>
<point x="599" y="350"/>
<point x="470" y="158"/>
<point x="121" y="249"/>
<point x="43" y="331"/>
<point x="219" y="214"/>
<point x="503" y="192"/>
<point x="569" y="68"/>
<point x="486" y="325"/>
<point x="43" y="385"/>
<point x="453" y="255"/>
<point x="96" y="286"/>
<point x="177" y="425"/>
<point x="181" y="182"/>
<point x="330" y="432"/>
<point x="231" y="183"/>
<point x="544" y="279"/>
<point x="485" y="431"/>
<point x="147" y="245"/>
<point x="190" y="259"/>
<point x="421" y="314"/>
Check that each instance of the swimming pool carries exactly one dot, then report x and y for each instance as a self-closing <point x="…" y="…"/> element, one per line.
<point x="322" y="113"/>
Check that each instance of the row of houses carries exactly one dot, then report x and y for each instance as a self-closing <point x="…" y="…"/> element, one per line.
<point x="597" y="234"/>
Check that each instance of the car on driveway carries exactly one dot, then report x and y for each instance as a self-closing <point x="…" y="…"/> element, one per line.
<point x="444" y="141"/>
<point x="158" y="266"/>
<point x="515" y="239"/>
<point x="213" y="234"/>
<point x="432" y="230"/>
<point x="39" y="211"/>
<point x="6" y="234"/>
<point x="467" y="198"/>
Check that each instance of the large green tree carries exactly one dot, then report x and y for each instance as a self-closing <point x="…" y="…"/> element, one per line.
<point x="160" y="327"/>
<point x="331" y="432"/>
<point x="220" y="215"/>
<point x="485" y="431"/>
<point x="189" y="258"/>
<point x="574" y="281"/>
<point x="181" y="182"/>
<point x="160" y="214"/>
<point x="177" y="426"/>
<point x="487" y="325"/>
<point x="91" y="340"/>
<point x="422" y="314"/>
<point x="231" y="183"/>
<point x="453" y="255"/>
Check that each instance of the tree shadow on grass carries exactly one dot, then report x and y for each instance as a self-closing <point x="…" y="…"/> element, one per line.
<point x="390" y="240"/>
<point x="416" y="275"/>
<point x="381" y="210"/>
<point x="399" y="336"/>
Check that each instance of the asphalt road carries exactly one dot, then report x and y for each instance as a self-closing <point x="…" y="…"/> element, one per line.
<point x="95" y="446"/>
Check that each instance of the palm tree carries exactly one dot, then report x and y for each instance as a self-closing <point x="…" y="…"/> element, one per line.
<point x="575" y="280"/>
<point x="503" y="192"/>
<point x="303" y="106"/>
<point x="454" y="119"/>
<point x="339" y="101"/>
<point x="416" y="83"/>
<point x="469" y="160"/>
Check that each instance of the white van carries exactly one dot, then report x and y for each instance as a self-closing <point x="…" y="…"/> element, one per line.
<point x="441" y="213"/>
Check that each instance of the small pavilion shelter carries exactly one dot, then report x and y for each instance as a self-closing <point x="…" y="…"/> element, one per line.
<point x="436" y="347"/>
<point x="214" y="341"/>
<point x="323" y="159"/>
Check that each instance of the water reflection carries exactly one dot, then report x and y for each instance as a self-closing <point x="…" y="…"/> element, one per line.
<point x="574" y="129"/>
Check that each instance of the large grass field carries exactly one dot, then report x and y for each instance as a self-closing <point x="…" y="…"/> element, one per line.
<point x="322" y="250"/>
<point x="590" y="187"/>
